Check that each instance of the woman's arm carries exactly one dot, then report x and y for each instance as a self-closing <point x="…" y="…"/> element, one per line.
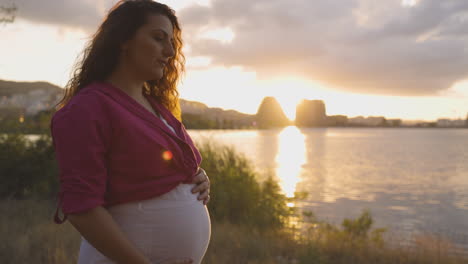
<point x="99" y="228"/>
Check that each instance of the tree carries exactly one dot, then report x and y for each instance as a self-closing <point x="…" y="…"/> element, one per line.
<point x="8" y="13"/>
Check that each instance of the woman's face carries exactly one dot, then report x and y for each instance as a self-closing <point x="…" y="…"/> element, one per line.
<point x="146" y="54"/>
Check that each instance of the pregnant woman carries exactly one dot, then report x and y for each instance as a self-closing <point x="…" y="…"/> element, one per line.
<point x="130" y="180"/>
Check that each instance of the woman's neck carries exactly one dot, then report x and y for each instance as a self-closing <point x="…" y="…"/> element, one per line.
<point x="124" y="80"/>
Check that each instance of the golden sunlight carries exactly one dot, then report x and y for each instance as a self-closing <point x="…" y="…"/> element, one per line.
<point x="200" y="85"/>
<point x="289" y="92"/>
<point x="291" y="156"/>
<point x="65" y="44"/>
<point x="288" y="104"/>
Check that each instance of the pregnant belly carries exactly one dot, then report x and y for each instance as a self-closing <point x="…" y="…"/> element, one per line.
<point x="174" y="225"/>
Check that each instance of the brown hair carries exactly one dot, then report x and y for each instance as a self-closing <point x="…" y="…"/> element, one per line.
<point x="100" y="57"/>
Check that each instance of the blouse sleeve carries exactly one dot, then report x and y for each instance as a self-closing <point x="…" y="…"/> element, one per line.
<point x="81" y="140"/>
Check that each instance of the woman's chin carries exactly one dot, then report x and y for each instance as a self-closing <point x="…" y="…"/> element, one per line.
<point x="155" y="77"/>
<point x="157" y="74"/>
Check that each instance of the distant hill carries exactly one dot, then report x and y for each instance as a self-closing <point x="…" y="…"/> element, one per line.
<point x="9" y="88"/>
<point x="28" y="97"/>
<point x="36" y="96"/>
<point x="222" y="118"/>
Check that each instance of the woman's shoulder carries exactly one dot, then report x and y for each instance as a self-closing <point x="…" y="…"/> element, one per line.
<point x="90" y="95"/>
<point x="88" y="101"/>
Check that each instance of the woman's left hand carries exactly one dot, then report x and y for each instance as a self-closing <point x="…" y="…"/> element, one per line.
<point x="203" y="186"/>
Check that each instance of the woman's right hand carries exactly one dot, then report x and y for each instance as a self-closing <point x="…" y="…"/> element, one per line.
<point x="178" y="261"/>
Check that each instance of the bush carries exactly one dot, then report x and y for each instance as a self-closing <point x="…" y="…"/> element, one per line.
<point x="237" y="195"/>
<point x="27" y="169"/>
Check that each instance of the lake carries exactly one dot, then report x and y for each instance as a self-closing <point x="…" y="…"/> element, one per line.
<point x="411" y="179"/>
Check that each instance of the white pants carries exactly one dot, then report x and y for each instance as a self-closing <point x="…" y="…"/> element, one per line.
<point x="171" y="226"/>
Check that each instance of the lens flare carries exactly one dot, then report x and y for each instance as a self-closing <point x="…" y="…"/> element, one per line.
<point x="167" y="155"/>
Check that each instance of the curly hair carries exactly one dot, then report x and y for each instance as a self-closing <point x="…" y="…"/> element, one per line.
<point x="100" y="57"/>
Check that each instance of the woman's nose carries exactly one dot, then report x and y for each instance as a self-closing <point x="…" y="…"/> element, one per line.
<point x="169" y="50"/>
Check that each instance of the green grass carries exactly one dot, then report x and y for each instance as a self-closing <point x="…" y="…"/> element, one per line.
<point x="30" y="236"/>
<point x="251" y="222"/>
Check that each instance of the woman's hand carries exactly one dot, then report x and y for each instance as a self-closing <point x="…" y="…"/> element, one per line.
<point x="203" y="186"/>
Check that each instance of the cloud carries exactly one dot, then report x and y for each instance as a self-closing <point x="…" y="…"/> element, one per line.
<point x="79" y="14"/>
<point x="83" y="14"/>
<point x="365" y="46"/>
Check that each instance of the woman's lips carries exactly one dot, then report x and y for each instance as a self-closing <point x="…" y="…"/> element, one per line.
<point x="161" y="63"/>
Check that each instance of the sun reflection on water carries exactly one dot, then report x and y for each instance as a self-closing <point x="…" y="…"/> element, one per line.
<point x="290" y="158"/>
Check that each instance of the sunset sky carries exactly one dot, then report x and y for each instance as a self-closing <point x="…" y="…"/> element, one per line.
<point x="399" y="59"/>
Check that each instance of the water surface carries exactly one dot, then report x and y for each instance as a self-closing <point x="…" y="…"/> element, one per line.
<point x="409" y="178"/>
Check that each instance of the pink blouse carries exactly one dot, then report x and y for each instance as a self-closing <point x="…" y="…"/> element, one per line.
<point x="111" y="150"/>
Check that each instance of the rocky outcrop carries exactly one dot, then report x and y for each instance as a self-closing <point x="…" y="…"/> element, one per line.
<point x="270" y="114"/>
<point x="311" y="113"/>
